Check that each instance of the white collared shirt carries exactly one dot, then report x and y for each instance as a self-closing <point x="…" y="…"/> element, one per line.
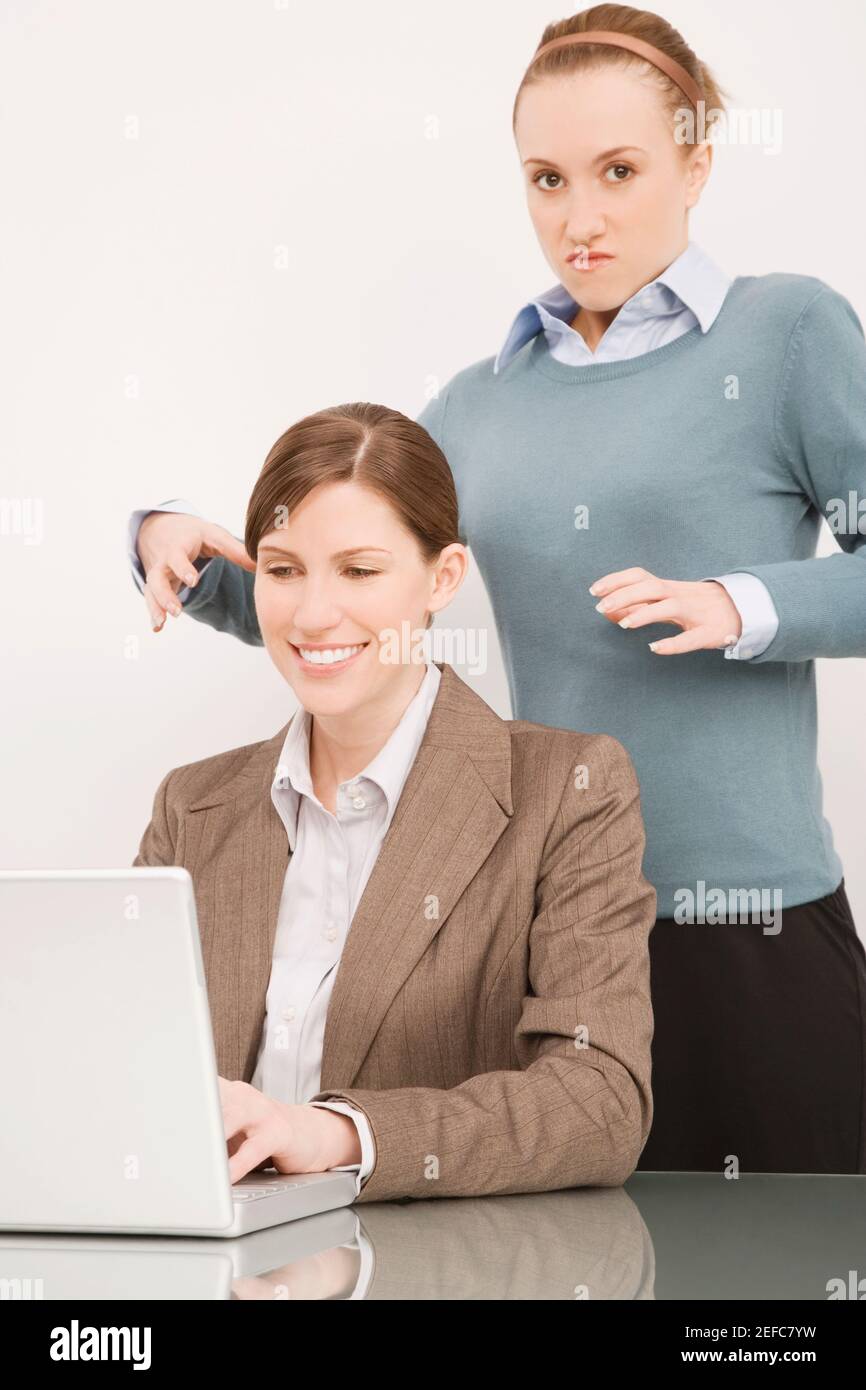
<point x="331" y="861"/>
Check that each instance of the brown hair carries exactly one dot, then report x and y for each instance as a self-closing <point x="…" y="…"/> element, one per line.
<point x="370" y="445"/>
<point x="641" y="24"/>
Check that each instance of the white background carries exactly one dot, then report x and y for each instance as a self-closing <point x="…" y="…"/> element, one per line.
<point x="149" y="264"/>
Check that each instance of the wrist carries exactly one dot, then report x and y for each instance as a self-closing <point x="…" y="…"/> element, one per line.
<point x="734" y="617"/>
<point x="342" y="1141"/>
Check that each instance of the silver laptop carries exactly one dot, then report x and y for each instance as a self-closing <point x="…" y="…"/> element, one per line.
<point x="111" y="1116"/>
<point x="146" y="1268"/>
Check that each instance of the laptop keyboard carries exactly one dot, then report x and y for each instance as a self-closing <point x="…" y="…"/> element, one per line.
<point x="252" y="1194"/>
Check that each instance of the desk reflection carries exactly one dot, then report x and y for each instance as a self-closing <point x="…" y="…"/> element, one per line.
<point x="661" y="1236"/>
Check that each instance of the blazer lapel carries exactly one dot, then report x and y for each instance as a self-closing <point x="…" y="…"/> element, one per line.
<point x="455" y="804"/>
<point x="238" y="851"/>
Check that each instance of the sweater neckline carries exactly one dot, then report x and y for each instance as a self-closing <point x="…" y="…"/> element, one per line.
<point x="540" y="356"/>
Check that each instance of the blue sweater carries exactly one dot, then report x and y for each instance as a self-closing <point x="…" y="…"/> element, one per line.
<point x="714" y="453"/>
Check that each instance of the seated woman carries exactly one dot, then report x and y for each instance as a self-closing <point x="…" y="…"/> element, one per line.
<point x="424" y="928"/>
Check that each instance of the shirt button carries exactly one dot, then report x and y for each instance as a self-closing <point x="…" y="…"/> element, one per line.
<point x="288" y="1014"/>
<point x="330" y="934"/>
<point x="359" y="803"/>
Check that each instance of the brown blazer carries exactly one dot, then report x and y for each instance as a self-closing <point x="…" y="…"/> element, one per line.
<point x="491" y="1010"/>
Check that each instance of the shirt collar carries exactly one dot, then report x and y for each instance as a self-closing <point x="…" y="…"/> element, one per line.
<point x="693" y="281"/>
<point x="388" y="770"/>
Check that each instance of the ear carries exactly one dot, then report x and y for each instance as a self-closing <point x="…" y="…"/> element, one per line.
<point x="700" y="167"/>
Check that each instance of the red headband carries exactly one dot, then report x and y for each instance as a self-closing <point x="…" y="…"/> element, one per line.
<point x="653" y="55"/>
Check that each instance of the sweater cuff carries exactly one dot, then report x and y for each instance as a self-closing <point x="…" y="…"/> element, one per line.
<point x="821" y="606"/>
<point x="751" y="598"/>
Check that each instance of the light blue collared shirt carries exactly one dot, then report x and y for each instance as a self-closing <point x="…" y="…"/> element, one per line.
<point x="689" y="292"/>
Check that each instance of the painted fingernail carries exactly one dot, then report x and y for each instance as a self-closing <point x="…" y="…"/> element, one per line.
<point x="602" y="607"/>
<point x="652" y="646"/>
<point x="625" y="622"/>
<point x="593" y="590"/>
<point x="189" y="577"/>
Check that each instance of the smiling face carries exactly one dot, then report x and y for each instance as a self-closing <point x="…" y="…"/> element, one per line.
<point x="332" y="583"/>
<point x="603" y="173"/>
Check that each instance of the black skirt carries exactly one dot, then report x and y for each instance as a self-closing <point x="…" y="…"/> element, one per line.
<point x="759" y="1048"/>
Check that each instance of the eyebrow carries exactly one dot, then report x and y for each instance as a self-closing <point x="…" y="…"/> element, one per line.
<point x="340" y="554"/>
<point x="618" y="149"/>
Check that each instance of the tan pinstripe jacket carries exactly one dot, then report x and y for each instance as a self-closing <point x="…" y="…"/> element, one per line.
<point x="491" y="1011"/>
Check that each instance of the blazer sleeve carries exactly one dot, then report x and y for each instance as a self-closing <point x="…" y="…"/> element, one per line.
<point x="578" y="1110"/>
<point x="160" y="838"/>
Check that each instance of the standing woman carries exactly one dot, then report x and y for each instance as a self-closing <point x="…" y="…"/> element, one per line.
<point x="653" y="447"/>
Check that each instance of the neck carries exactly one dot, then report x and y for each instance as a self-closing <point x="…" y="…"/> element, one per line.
<point x="592" y="324"/>
<point x="342" y="745"/>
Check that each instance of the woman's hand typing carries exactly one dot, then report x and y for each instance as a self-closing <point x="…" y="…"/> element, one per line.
<point x="294" y="1138"/>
